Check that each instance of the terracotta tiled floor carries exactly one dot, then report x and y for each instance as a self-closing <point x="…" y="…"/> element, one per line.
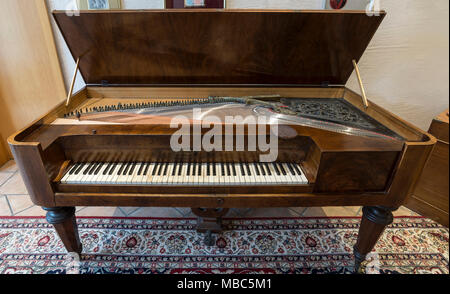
<point x="14" y="201"/>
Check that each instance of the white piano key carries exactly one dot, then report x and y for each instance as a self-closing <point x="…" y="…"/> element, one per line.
<point x="291" y="177"/>
<point x="305" y="180"/>
<point x="257" y="173"/>
<point x="149" y="178"/>
<point x="101" y="177"/>
<point x="182" y="178"/>
<point x="167" y="173"/>
<point x="130" y="173"/>
<point x="230" y="176"/>
<point x="284" y="177"/>
<point x="123" y="175"/>
<point x="112" y="174"/>
<point x="221" y="177"/>
<point x="133" y="171"/>
<point x="99" y="174"/>
<point x="140" y="177"/>
<point x="84" y="173"/>
<point x="202" y="179"/>
<point x="67" y="175"/>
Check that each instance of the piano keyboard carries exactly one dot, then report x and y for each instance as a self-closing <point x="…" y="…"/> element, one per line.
<point x="190" y="174"/>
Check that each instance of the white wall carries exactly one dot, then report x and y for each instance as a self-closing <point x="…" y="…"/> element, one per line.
<point x="405" y="69"/>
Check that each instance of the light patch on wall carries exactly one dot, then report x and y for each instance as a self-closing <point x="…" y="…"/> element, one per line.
<point x="98" y="4"/>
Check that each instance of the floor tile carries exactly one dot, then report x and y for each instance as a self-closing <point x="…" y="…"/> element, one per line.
<point x="156" y="212"/>
<point x="128" y="210"/>
<point x="331" y="211"/>
<point x="32" y="211"/>
<point x="403" y="211"/>
<point x="270" y="212"/>
<point x="4" y="176"/>
<point x="239" y="212"/>
<point x="4" y="207"/>
<point x="101" y="211"/>
<point x="184" y="211"/>
<point x="298" y="210"/>
<point x="14" y="185"/>
<point x="9" y="167"/>
<point x="19" y="202"/>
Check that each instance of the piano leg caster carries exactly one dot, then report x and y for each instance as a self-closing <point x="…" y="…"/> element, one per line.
<point x="209" y="221"/>
<point x="64" y="222"/>
<point x="374" y="221"/>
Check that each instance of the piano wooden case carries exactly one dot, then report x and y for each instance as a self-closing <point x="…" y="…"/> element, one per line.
<point x="161" y="55"/>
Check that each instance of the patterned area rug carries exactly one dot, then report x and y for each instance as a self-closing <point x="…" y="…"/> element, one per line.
<point x="291" y="245"/>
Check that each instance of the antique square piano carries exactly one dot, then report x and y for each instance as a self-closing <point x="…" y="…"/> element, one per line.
<point x="110" y="143"/>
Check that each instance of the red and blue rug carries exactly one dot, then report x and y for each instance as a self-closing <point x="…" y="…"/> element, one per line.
<point x="411" y="245"/>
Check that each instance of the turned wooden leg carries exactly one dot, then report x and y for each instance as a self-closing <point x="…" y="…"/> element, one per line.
<point x="63" y="220"/>
<point x="209" y="221"/>
<point x="374" y="221"/>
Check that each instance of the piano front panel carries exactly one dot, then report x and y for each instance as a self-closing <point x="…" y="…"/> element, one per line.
<point x="323" y="171"/>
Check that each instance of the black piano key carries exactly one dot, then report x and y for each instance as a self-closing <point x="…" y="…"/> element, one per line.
<point x="141" y="168"/>
<point x="242" y="169"/>
<point x="283" y="171"/>
<point x="291" y="168"/>
<point x="73" y="169"/>
<point x="276" y="169"/>
<point x="122" y="167"/>
<point x="147" y="166"/>
<point x="113" y="167"/>
<point x="160" y="169"/>
<point x="133" y="166"/>
<point x="199" y="169"/>
<point x="105" y="171"/>
<point x="126" y="169"/>
<point x="214" y="170"/>
<point x="222" y="167"/>
<point x="97" y="170"/>
<point x="248" y="169"/>
<point x="155" y="169"/>
<point x="207" y="169"/>
<point x="267" y="168"/>
<point x="180" y="169"/>
<point x="297" y="169"/>
<point x="233" y="168"/>
<point x="262" y="169"/>
<point x="228" y="169"/>
<point x="166" y="167"/>
<point x="174" y="170"/>
<point x="257" y="169"/>
<point x="80" y="167"/>
<point x="93" y="168"/>
<point x="88" y="168"/>
<point x="188" y="171"/>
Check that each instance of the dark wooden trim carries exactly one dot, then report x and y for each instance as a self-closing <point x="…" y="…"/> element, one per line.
<point x="220" y="200"/>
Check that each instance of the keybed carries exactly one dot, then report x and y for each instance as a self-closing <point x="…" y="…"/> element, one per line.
<point x="184" y="174"/>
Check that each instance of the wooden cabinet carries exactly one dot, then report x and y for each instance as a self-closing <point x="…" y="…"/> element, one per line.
<point x="430" y="196"/>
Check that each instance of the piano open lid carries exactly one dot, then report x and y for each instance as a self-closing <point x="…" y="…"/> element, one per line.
<point x="194" y="47"/>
